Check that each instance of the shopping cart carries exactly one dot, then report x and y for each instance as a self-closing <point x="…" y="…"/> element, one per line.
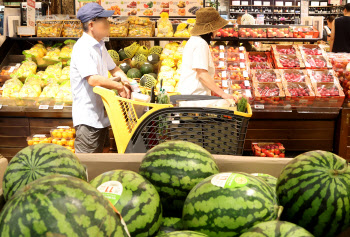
<point x="136" y="130"/>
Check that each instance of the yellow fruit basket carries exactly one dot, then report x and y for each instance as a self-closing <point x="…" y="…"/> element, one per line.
<point x="118" y="28"/>
<point x="49" y="28"/>
<point x="72" y="28"/>
<point x="220" y="131"/>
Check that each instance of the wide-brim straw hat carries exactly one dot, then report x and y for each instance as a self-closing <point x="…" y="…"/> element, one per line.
<point x="207" y="20"/>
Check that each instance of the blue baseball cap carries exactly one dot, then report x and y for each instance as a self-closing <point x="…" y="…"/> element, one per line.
<point x="91" y="11"/>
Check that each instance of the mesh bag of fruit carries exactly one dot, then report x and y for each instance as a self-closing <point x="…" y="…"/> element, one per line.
<point x="72" y="28"/>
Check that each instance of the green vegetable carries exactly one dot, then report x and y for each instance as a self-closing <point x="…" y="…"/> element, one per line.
<point x="242" y="105"/>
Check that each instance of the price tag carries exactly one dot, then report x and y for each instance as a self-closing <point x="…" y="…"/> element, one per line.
<point x="0" y="106"/>
<point x="175" y="122"/>
<point x="257" y="3"/>
<point x="222" y="55"/>
<point x="289" y="4"/>
<point x="18" y="64"/>
<point x="227" y="91"/>
<point x="236" y="3"/>
<point x="248" y="93"/>
<point x="279" y="4"/>
<point x="224" y="74"/>
<point x="224" y="83"/>
<point x="221" y="47"/>
<point x="241" y="48"/>
<point x="11" y="69"/>
<point x="308" y="36"/>
<point x="266" y="3"/>
<point x="259" y="107"/>
<point x="244" y="3"/>
<point x="58" y="107"/>
<point x="323" y="4"/>
<point x="303" y="101"/>
<point x="246" y="83"/>
<point x="245" y="74"/>
<point x="221" y="64"/>
<point x="241" y="65"/>
<point x="241" y="56"/>
<point x="315" y="4"/>
<point x="64" y="127"/>
<point x="39" y="135"/>
<point x="43" y="107"/>
<point x="106" y="39"/>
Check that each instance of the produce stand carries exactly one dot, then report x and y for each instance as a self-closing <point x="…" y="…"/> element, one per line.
<point x="299" y="130"/>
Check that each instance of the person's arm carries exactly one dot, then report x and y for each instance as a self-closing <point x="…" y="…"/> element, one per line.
<point x="332" y="36"/>
<point x="208" y="81"/>
<point x="118" y="73"/>
<point x="97" y="80"/>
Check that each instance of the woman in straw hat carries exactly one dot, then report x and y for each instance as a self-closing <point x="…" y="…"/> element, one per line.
<point x="197" y="71"/>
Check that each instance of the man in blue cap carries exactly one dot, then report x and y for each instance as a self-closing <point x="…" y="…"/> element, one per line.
<point x="90" y="64"/>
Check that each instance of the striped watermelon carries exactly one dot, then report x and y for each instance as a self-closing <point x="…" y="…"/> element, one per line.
<point x="170" y="224"/>
<point x="184" y="234"/>
<point x="269" y="179"/>
<point x="314" y="189"/>
<point x="59" y="205"/>
<point x="227" y="204"/>
<point x="40" y="160"/>
<point x="276" y="229"/>
<point x="174" y="168"/>
<point x="138" y="203"/>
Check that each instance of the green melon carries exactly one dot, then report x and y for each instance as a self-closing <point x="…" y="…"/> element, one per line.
<point x="269" y="179"/>
<point x="134" y="73"/>
<point x="170" y="224"/>
<point x="125" y="67"/>
<point x="37" y="161"/>
<point x="148" y="81"/>
<point x="228" y="204"/>
<point x="174" y="168"/>
<point x="276" y="229"/>
<point x="183" y="234"/>
<point x="314" y="190"/>
<point x="122" y="55"/>
<point x="59" y="205"/>
<point x="153" y="59"/>
<point x="153" y="75"/>
<point x="136" y="199"/>
<point x="146" y="68"/>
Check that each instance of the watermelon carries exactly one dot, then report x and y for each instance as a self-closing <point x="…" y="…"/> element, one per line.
<point x="170" y="224"/>
<point x="136" y="199"/>
<point x="40" y="160"/>
<point x="134" y="73"/>
<point x="146" y="68"/>
<point x="59" y="205"/>
<point x="228" y="204"/>
<point x="174" y="168"/>
<point x="125" y="67"/>
<point x="276" y="229"/>
<point x="314" y="190"/>
<point x="269" y="179"/>
<point x="153" y="59"/>
<point x="122" y="55"/>
<point x="183" y="234"/>
<point x="154" y="75"/>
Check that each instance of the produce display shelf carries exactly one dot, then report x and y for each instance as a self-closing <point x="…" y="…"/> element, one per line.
<point x="171" y="39"/>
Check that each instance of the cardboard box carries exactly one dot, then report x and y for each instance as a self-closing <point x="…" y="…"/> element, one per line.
<point x="268" y="75"/>
<point x="299" y="101"/>
<point x="271" y="98"/>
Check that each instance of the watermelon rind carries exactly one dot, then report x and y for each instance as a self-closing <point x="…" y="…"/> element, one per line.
<point x="228" y="211"/>
<point x="174" y="168"/>
<point x="139" y="203"/>
<point x="59" y="205"/>
<point x="40" y="160"/>
<point x="184" y="234"/>
<point x="170" y="224"/>
<point x="276" y="229"/>
<point x="314" y="190"/>
<point x="269" y="179"/>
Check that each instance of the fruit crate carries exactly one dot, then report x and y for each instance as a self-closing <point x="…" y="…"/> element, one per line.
<point x="63" y="132"/>
<point x="316" y="62"/>
<point x="49" y="28"/>
<point x="236" y="65"/>
<point x="284" y="50"/>
<point x="118" y="28"/>
<point x="279" y="33"/>
<point x="220" y="65"/>
<point x="294" y="75"/>
<point x="299" y="94"/>
<point x="289" y="62"/>
<point x="268" y="149"/>
<point x="38" y="139"/>
<point x="252" y="33"/>
<point x="339" y="65"/>
<point x="72" y="28"/>
<point x="239" y="93"/>
<point x="240" y="85"/>
<point x="259" y="57"/>
<point x="328" y="94"/>
<point x="236" y="57"/>
<point x="237" y="75"/>
<point x="307" y="32"/>
<point x="219" y="56"/>
<point x="311" y="49"/>
<point x="269" y="75"/>
<point x="228" y="31"/>
<point x="218" y="49"/>
<point x="221" y="75"/>
<point x="323" y="75"/>
<point x="269" y="94"/>
<point x="232" y="49"/>
<point x="256" y="66"/>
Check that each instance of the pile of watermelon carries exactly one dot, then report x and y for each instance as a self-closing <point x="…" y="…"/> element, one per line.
<point x="178" y="192"/>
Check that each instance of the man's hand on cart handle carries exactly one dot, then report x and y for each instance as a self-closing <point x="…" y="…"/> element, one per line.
<point x="227" y="96"/>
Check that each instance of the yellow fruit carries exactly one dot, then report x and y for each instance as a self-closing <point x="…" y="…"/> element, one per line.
<point x="73" y="150"/>
<point x="54" y="133"/>
<point x="65" y="134"/>
<point x="70" y="134"/>
<point x="54" y="141"/>
<point x="63" y="141"/>
<point x="36" y="139"/>
<point x="71" y="143"/>
<point x="59" y="135"/>
<point x="41" y="142"/>
<point x="61" y="130"/>
<point x="30" y="142"/>
<point x="59" y="143"/>
<point x="73" y="131"/>
<point x="34" y="143"/>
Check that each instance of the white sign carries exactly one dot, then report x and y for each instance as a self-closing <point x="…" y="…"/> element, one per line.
<point x="236" y="3"/>
<point x="244" y="3"/>
<point x="43" y="107"/>
<point x="257" y="3"/>
<point x="279" y="4"/>
<point x="31" y="13"/>
<point x="260" y="19"/>
<point x="323" y="4"/>
<point x="266" y="3"/>
<point x="289" y="4"/>
<point x="315" y="4"/>
<point x="58" y="107"/>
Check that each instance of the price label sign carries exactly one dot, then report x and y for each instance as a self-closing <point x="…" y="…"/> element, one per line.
<point x="43" y="107"/>
<point x="248" y="93"/>
<point x="58" y="107"/>
<point x="315" y="4"/>
<point x="0" y="106"/>
<point x="224" y="83"/>
<point x="221" y="64"/>
<point x="241" y="65"/>
<point x="266" y="3"/>
<point x="241" y="56"/>
<point x="244" y="3"/>
<point x="224" y="74"/>
<point x="222" y="55"/>
<point x="241" y="48"/>
<point x="246" y="83"/>
<point x="245" y="74"/>
<point x="258" y="106"/>
<point x="221" y="47"/>
<point x="257" y="3"/>
<point x="279" y="4"/>
<point x="289" y="4"/>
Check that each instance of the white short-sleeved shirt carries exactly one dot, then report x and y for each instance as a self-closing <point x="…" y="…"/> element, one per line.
<point x="196" y="55"/>
<point x="89" y="57"/>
